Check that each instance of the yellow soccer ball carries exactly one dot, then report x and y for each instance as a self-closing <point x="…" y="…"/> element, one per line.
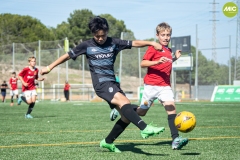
<point x="185" y="121"/>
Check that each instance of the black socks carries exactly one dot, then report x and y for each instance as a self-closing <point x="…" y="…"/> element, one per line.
<point x="173" y="129"/>
<point x="24" y="99"/>
<point x="118" y="128"/>
<point x="129" y="112"/>
<point x="30" y="108"/>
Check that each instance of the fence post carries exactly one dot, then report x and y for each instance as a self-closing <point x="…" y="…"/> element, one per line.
<point x="13" y="57"/>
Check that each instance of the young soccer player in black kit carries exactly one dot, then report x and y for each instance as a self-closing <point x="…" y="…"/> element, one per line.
<point x="101" y="52"/>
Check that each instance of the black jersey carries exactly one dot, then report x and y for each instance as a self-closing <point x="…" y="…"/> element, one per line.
<point x="3" y="87"/>
<point x="101" y="58"/>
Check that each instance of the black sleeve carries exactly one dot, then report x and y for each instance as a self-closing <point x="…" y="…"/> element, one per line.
<point x="123" y="44"/>
<point x="78" y="50"/>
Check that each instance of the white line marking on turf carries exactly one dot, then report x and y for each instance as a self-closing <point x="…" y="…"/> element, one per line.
<point x="97" y="142"/>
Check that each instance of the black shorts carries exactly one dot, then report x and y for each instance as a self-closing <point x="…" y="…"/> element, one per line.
<point x="107" y="90"/>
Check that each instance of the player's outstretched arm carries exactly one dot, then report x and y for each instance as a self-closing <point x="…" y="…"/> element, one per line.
<point x="60" y="60"/>
<point x="138" y="43"/>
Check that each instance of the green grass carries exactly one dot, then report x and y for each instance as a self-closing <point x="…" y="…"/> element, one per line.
<point x="73" y="130"/>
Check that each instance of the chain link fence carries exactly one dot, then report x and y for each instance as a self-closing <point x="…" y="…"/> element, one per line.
<point x="14" y="57"/>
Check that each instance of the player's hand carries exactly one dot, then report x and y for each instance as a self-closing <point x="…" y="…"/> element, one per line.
<point x="41" y="79"/>
<point x="44" y="71"/>
<point x="25" y="84"/>
<point x="157" y="46"/>
<point x="163" y="60"/>
<point x="178" y="53"/>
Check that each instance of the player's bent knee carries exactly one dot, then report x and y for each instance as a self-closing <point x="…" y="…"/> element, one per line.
<point x="170" y="108"/>
<point x="120" y="100"/>
<point x="29" y="102"/>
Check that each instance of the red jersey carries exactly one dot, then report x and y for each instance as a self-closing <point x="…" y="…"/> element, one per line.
<point x="13" y="83"/>
<point x="66" y="87"/>
<point x="29" y="76"/>
<point x="158" y="75"/>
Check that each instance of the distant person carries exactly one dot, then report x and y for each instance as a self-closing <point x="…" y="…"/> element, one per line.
<point x="101" y="52"/>
<point x="13" y="87"/>
<point x="28" y="76"/>
<point x="4" y="87"/>
<point x="66" y="90"/>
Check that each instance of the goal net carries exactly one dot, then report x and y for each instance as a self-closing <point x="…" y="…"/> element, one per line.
<point x="77" y="92"/>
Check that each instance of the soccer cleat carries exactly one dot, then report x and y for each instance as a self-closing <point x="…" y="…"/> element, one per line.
<point x="19" y="99"/>
<point x="179" y="142"/>
<point x="113" y="114"/>
<point x="111" y="147"/>
<point x="28" y="116"/>
<point x="151" y="131"/>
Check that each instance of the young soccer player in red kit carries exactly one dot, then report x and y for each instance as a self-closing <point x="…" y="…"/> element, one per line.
<point x="157" y="82"/>
<point x="13" y="87"/>
<point x="28" y="76"/>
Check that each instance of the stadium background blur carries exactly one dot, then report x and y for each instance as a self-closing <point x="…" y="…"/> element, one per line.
<point x="14" y="54"/>
<point x="14" y="58"/>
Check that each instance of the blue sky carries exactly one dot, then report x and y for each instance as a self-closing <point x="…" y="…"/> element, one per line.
<point x="142" y="16"/>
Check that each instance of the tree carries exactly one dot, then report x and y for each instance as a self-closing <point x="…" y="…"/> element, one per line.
<point x="22" y="29"/>
<point x="62" y="30"/>
<point x="78" y="24"/>
<point x="116" y="26"/>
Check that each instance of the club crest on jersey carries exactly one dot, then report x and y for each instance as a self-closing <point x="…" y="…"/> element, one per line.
<point x="110" y="49"/>
<point x="94" y="50"/>
<point x="30" y="77"/>
<point x="110" y="89"/>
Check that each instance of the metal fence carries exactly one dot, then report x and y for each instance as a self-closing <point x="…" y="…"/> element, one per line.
<point x="14" y="57"/>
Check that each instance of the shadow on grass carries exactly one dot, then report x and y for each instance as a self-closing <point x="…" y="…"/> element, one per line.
<point x="191" y="154"/>
<point x="132" y="147"/>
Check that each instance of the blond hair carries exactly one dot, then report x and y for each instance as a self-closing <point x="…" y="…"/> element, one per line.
<point x="30" y="58"/>
<point x="162" y="27"/>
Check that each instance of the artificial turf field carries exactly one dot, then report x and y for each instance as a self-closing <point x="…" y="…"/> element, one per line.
<point x="73" y="130"/>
